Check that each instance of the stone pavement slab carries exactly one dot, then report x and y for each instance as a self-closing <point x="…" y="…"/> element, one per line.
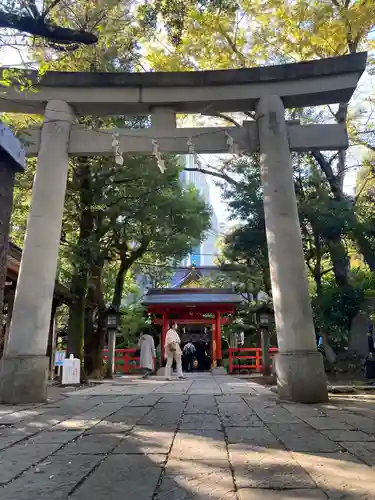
<point x="304" y="411"/>
<point x="52" y="437"/>
<point x="53" y="480"/>
<point x="200" y="421"/>
<point x="201" y="404"/>
<point x="199" y="445"/>
<point x="129" y="415"/>
<point x="245" y="419"/>
<point x="326" y="423"/>
<point x="272" y="413"/>
<point x="145" y="440"/>
<point x="168" y="417"/>
<point x="191" y="480"/>
<point x="348" y="435"/>
<point x="107" y="427"/>
<point x="355" y="421"/>
<point x="255" y="494"/>
<point x="229" y="398"/>
<point x="174" y="398"/>
<point x="92" y="444"/>
<point x="121" y="476"/>
<point x="253" y="436"/>
<point x="7" y="441"/>
<point x="301" y="437"/>
<point x="21" y="456"/>
<point x="339" y="475"/>
<point x="259" y="467"/>
<point x="76" y="424"/>
<point x="209" y="437"/>
<point x="363" y="451"/>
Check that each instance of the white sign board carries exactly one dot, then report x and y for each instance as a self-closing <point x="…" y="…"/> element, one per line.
<point x="71" y="371"/>
<point x="60" y="358"/>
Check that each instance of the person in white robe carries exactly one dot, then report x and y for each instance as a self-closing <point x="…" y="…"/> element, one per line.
<point x="146" y="345"/>
<point x="173" y="352"/>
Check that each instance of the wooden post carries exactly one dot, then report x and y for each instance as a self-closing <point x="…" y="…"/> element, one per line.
<point x="51" y="346"/>
<point x="111" y="353"/>
<point x="230" y="352"/>
<point x="213" y="347"/>
<point x="10" y="300"/>
<point x="219" y="354"/>
<point x="264" y="335"/>
<point x="163" y="335"/>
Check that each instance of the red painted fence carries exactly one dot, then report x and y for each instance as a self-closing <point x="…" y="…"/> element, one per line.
<point x="125" y="360"/>
<point x="253" y="354"/>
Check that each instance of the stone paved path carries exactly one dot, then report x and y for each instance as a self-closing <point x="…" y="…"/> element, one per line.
<point x="218" y="438"/>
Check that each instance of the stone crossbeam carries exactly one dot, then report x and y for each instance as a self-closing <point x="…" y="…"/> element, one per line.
<point x="302" y="138"/>
<point x="310" y="83"/>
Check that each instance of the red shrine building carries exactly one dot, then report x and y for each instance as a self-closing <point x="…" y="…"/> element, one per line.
<point x="200" y="313"/>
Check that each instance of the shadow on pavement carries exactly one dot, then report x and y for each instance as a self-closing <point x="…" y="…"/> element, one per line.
<point x="187" y="447"/>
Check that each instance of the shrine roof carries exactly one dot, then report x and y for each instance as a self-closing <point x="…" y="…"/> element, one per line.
<point x="182" y="274"/>
<point x="162" y="296"/>
<point x="308" y="83"/>
<point x="13" y="263"/>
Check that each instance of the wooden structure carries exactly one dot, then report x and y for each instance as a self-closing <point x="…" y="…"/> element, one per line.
<point x="208" y="307"/>
<point x="252" y="355"/>
<point x="125" y="360"/>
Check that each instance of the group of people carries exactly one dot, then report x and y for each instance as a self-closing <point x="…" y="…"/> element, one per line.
<point x="190" y="355"/>
<point x="195" y="356"/>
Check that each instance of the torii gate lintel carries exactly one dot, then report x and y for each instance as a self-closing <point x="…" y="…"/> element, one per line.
<point x="268" y="91"/>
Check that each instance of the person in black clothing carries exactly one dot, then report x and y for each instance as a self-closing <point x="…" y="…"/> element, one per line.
<point x="188" y="356"/>
<point x="369" y="368"/>
<point x="370" y="338"/>
<point x="199" y="354"/>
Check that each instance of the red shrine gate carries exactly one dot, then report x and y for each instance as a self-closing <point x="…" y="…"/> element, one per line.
<point x="207" y="307"/>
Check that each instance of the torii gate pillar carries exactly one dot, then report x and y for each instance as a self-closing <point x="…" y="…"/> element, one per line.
<point x="299" y="367"/>
<point x="24" y="370"/>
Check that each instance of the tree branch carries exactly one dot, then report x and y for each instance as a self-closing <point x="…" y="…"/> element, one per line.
<point x="51" y="32"/>
<point x="328" y="172"/>
<point x="224" y="117"/>
<point x="219" y="175"/>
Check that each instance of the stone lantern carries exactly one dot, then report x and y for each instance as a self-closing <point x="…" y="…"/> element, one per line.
<point x="112" y="323"/>
<point x="264" y="316"/>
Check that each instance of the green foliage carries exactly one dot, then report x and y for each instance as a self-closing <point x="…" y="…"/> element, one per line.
<point x="335" y="309"/>
<point x="133" y="321"/>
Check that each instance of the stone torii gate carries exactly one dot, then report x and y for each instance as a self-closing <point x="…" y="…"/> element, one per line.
<point x="61" y="97"/>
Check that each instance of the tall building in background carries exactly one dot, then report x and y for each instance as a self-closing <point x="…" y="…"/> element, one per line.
<point x="205" y="254"/>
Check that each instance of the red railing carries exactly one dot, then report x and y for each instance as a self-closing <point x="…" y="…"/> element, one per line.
<point x="254" y="354"/>
<point x="125" y="360"/>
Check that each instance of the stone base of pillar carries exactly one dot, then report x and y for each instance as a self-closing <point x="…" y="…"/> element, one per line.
<point x="219" y="362"/>
<point x="23" y="379"/>
<point x="301" y="377"/>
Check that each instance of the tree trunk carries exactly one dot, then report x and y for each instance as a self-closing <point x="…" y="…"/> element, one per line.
<point x="340" y="261"/>
<point x="95" y="337"/>
<point x="119" y="285"/>
<point x="78" y="288"/>
<point x="336" y="185"/>
<point x="126" y="262"/>
<point x="76" y="321"/>
<point x="318" y="265"/>
<point x="364" y="247"/>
